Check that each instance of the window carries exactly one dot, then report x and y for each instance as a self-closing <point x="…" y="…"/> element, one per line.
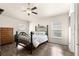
<point x="57" y="29"/>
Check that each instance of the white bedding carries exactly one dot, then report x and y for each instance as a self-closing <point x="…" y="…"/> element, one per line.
<point x="38" y="39"/>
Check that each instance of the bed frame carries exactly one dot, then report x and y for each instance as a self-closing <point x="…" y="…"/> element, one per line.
<point x="37" y="28"/>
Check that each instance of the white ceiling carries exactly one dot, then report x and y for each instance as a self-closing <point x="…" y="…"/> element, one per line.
<point x="43" y="9"/>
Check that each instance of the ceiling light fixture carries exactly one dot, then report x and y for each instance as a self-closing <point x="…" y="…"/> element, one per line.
<point x="29" y="10"/>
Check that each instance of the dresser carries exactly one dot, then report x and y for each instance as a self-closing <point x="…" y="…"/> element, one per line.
<point x="6" y="35"/>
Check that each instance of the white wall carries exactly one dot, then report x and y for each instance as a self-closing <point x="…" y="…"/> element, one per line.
<point x="41" y="22"/>
<point x="48" y="21"/>
<point x="6" y="21"/>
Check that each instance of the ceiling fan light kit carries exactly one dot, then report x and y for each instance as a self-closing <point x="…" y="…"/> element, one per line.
<point x="30" y="10"/>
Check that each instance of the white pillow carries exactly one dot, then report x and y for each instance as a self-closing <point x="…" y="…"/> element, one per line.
<point x="40" y="33"/>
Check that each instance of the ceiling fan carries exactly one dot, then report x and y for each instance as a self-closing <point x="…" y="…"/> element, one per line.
<point x="1" y="10"/>
<point x="30" y="10"/>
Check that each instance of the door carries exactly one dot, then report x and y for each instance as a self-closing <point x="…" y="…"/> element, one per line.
<point x="72" y="33"/>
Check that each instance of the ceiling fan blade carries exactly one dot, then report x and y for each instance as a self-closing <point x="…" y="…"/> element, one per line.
<point x="1" y="10"/>
<point x="34" y="8"/>
<point x="35" y="13"/>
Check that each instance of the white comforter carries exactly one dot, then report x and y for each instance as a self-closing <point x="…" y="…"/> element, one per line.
<point x="38" y="39"/>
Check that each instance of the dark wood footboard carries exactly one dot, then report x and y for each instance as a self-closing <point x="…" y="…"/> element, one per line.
<point x="16" y="38"/>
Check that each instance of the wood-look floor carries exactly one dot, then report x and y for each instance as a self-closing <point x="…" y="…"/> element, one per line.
<point x="47" y="49"/>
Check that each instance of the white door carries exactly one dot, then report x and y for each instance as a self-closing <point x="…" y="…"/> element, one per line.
<point x="72" y="33"/>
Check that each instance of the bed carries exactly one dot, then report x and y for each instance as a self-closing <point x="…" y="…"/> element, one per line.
<point x="35" y="39"/>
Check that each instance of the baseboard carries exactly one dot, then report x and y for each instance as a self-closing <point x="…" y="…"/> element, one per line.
<point x="57" y="43"/>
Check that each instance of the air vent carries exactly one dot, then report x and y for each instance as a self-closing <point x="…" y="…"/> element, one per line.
<point x="1" y="10"/>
